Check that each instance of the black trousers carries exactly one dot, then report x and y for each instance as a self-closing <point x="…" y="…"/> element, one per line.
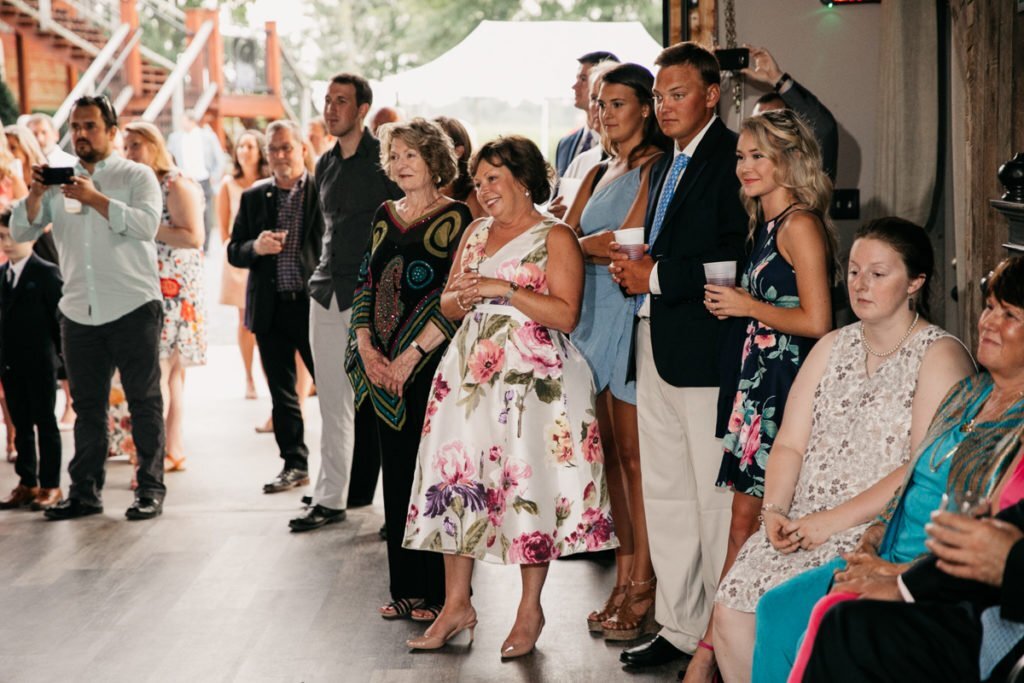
<point x="130" y="344"/>
<point x="289" y="332"/>
<point x="31" y="390"/>
<point x="365" y="457"/>
<point x="413" y="573"/>
<point x="870" y="640"/>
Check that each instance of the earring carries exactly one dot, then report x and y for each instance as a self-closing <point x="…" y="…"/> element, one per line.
<point x="527" y="193"/>
<point x="437" y="180"/>
<point x="911" y="305"/>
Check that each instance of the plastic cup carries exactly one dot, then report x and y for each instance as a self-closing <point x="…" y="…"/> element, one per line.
<point x="72" y="205"/>
<point x="568" y="188"/>
<point x="722" y="273"/>
<point x="631" y="242"/>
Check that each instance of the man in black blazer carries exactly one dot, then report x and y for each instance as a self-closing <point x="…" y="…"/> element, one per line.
<point x="972" y="583"/>
<point x="30" y="289"/>
<point x="694" y="217"/>
<point x="277" y="235"/>
<point x="581" y="139"/>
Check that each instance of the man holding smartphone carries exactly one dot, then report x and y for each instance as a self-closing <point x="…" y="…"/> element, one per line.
<point x="277" y="236"/>
<point x="111" y="307"/>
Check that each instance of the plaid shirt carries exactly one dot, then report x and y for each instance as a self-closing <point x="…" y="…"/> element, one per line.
<point x="289" y="219"/>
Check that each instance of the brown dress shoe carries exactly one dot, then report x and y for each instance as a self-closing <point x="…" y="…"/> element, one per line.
<point x="45" y="498"/>
<point x="20" y="497"/>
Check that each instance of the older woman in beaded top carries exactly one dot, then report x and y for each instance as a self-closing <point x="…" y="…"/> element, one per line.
<point x="400" y="334"/>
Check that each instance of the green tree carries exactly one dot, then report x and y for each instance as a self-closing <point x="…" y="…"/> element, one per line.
<point x="382" y="37"/>
<point x="8" y="107"/>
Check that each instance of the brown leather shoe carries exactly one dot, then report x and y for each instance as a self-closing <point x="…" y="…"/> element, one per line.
<point x="45" y="498"/>
<point x="20" y="497"/>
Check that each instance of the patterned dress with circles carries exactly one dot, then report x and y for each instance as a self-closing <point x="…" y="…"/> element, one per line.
<point x="403" y="273"/>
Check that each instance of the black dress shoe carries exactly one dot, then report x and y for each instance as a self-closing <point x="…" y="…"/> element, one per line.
<point x="70" y="508"/>
<point x="144" y="508"/>
<point x="289" y="478"/>
<point x="652" y="653"/>
<point x="317" y="517"/>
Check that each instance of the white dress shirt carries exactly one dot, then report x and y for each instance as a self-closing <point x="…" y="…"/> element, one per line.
<point x="109" y="265"/>
<point x="653" y="282"/>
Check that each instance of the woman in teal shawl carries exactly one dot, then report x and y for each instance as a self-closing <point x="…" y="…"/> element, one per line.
<point x="970" y="443"/>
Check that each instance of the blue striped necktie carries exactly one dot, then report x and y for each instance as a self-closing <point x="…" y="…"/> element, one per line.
<point x="668" y="190"/>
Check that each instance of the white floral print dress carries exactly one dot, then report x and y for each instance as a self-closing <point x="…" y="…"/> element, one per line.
<point x="510" y="463"/>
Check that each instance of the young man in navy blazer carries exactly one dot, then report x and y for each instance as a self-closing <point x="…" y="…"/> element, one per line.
<point x="694" y="217"/>
<point x="30" y="289"/>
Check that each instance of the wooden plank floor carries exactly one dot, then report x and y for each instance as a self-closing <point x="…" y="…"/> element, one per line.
<point x="218" y="590"/>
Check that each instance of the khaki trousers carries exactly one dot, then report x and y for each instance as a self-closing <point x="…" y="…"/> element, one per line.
<point x="687" y="515"/>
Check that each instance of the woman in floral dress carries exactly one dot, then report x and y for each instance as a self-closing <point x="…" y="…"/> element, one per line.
<point x="179" y="242"/>
<point x="860" y="405"/>
<point x="785" y="301"/>
<point x="510" y="463"/>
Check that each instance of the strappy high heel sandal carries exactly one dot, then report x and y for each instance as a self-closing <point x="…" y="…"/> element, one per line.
<point x="401" y="608"/>
<point x="596" y="618"/>
<point x="636" y="614"/>
<point x="431" y="612"/>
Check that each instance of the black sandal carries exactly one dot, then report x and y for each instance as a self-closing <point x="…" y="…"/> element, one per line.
<point x="434" y="611"/>
<point x="402" y="607"/>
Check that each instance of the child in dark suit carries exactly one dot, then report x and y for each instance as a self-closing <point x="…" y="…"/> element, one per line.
<point x="30" y="289"/>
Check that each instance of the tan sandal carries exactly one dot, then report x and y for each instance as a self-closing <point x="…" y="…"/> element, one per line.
<point x="595" y="619"/>
<point x="635" y="616"/>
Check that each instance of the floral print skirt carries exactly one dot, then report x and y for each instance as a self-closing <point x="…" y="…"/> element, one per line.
<point x="510" y="467"/>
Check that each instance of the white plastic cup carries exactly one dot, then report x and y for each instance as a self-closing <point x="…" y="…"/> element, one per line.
<point x="72" y="205"/>
<point x="568" y="188"/>
<point x="631" y="242"/>
<point x="721" y="273"/>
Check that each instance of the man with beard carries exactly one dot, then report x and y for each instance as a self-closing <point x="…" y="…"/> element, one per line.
<point x="352" y="186"/>
<point x="105" y="222"/>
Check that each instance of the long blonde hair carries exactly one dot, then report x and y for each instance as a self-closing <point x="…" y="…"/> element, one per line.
<point x="784" y="137"/>
<point x="27" y="142"/>
<point x="162" y="160"/>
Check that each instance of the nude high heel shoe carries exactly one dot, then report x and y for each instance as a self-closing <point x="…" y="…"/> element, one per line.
<point x="511" y="650"/>
<point x="430" y="641"/>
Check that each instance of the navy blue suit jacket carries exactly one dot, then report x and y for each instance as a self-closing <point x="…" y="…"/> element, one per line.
<point x="704" y="223"/>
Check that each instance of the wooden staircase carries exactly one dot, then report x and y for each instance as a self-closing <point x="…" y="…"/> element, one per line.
<point x="76" y="54"/>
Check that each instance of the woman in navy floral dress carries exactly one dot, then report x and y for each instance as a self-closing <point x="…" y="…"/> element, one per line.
<point x="785" y="297"/>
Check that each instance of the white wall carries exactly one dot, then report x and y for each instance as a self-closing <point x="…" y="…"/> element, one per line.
<point x="834" y="54"/>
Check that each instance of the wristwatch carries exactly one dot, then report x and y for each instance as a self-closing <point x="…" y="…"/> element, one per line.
<point x="512" y="289"/>
<point x="416" y="345"/>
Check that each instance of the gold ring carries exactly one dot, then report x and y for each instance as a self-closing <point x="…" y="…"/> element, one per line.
<point x="799" y="536"/>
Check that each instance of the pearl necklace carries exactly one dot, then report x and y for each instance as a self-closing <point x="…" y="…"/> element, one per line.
<point x="899" y="344"/>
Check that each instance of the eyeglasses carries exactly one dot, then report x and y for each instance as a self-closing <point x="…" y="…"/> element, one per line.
<point x="273" y="150"/>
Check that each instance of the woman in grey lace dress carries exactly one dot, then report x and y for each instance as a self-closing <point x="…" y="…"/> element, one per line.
<point x="860" y="404"/>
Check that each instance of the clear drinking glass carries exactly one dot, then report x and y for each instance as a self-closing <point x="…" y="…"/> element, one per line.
<point x="963" y="503"/>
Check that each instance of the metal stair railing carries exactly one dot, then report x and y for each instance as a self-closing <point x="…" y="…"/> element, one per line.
<point x="88" y="80"/>
<point x="176" y="80"/>
<point x="48" y="24"/>
<point x="292" y="76"/>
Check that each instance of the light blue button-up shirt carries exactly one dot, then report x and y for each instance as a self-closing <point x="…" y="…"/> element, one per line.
<point x="109" y="266"/>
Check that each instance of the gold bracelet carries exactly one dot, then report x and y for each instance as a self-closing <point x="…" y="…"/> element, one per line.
<point x="777" y="509"/>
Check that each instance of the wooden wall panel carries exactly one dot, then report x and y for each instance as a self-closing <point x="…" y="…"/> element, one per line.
<point x="988" y="49"/>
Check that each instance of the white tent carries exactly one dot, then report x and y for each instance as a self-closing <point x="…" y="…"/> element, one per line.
<point x="517" y="60"/>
